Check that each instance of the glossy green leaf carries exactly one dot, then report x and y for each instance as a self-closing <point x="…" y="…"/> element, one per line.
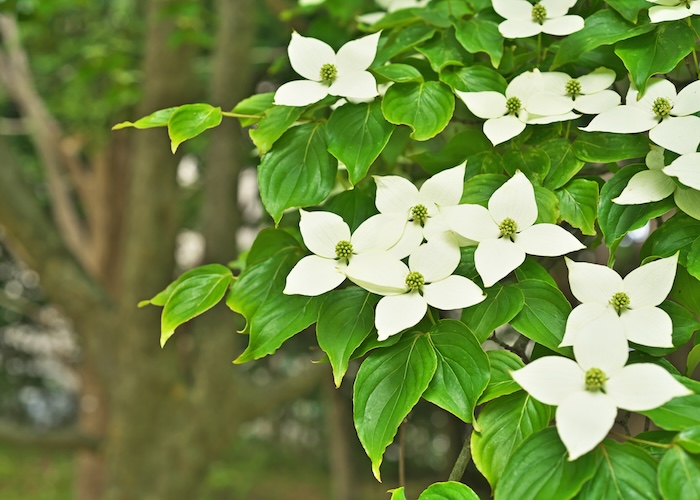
<point x="276" y="121"/>
<point x="604" y="27"/>
<point x="345" y="320"/>
<point x="533" y="162"/>
<point x="268" y="242"/>
<point x="543" y="317"/>
<point x="161" y="298"/>
<point x="505" y="423"/>
<point x="532" y="270"/>
<point x="400" y="73"/>
<point x="501" y="382"/>
<point x="462" y="369"/>
<point x="388" y="385"/>
<point x="298" y="171"/>
<point x="354" y="205"/>
<point x="451" y="490"/>
<point x="459" y="147"/>
<point x="693" y="361"/>
<point x="486" y="162"/>
<point x="190" y="120"/>
<point x="397" y="494"/>
<point x="686" y="290"/>
<point x="578" y="202"/>
<point x="402" y="40"/>
<point x="501" y="305"/>
<point x="255" y="107"/>
<point x="679" y="474"/>
<point x="474" y="79"/>
<point x="629" y="9"/>
<point x="624" y="471"/>
<point x="547" y="206"/>
<point x="426" y="107"/>
<point x="357" y="133"/>
<point x="689" y="440"/>
<point x="481" y="35"/>
<point x="677" y="414"/>
<point x="479" y="188"/>
<point x="604" y="147"/>
<point x="193" y="296"/>
<point x="540" y="468"/>
<point x="658" y="51"/>
<point x="443" y="51"/>
<point x="617" y="220"/>
<point x="693" y="260"/>
<point x="442" y="13"/>
<point x="563" y="162"/>
<point x="159" y="118"/>
<point x="677" y="234"/>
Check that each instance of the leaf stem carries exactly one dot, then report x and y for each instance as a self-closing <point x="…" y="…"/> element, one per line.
<point x="430" y="316"/>
<point x="239" y="115"/>
<point x="695" y="54"/>
<point x="642" y="441"/>
<point x="463" y="459"/>
<point x="539" y="48"/>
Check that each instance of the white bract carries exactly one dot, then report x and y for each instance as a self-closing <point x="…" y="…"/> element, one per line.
<point x="414" y="210"/>
<point x="622" y="305"/>
<point x="524" y="19"/>
<point x="587" y="392"/>
<point x="656" y="183"/>
<point x="506" y="115"/>
<point x="409" y="290"/>
<point x="587" y="94"/>
<point x="390" y="6"/>
<point x="343" y="74"/>
<point x="671" y="10"/>
<point x="506" y="231"/>
<point x="328" y="237"/>
<point x="666" y="115"/>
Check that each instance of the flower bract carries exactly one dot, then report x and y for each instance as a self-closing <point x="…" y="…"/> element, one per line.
<point x="506" y="231"/>
<point x="587" y="94"/>
<point x="343" y="74"/>
<point x="588" y="392"/>
<point x="524" y="19"/>
<point x="672" y="10"/>
<point x="626" y="305"/>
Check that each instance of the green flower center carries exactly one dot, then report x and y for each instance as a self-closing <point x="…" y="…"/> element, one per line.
<point x="539" y="13"/>
<point x="414" y="281"/>
<point x="595" y="379"/>
<point x="328" y="73"/>
<point x="343" y="249"/>
<point x="419" y="214"/>
<point x="620" y="301"/>
<point x="508" y="228"/>
<point x="661" y="107"/>
<point x="513" y="105"/>
<point x="573" y="87"/>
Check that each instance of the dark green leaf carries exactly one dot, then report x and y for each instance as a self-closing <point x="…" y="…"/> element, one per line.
<point x="693" y="260"/>
<point x="677" y="234"/>
<point x="354" y="205"/>
<point x="563" y="162"/>
<point x="190" y="120"/>
<point x="480" y="35"/>
<point x="629" y="9"/>
<point x="474" y="79"/>
<point x="443" y="51"/>
<point x="578" y="202"/>
<point x="275" y="123"/>
<point x="479" y="188"/>
<point x="442" y="13"/>
<point x="425" y="107"/>
<point x="459" y="147"/>
<point x="401" y="41"/>
<point x="501" y="383"/>
<point x="686" y="290"/>
<point x="604" y="147"/>
<point x="531" y="270"/>
<point x="269" y="242"/>
<point x="501" y="305"/>
<point x="684" y="325"/>
<point x="533" y="162"/>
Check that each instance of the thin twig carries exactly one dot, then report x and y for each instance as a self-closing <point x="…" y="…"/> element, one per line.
<point x="463" y="459"/>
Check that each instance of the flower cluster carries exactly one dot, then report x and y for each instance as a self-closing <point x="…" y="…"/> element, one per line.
<point x="524" y="19"/>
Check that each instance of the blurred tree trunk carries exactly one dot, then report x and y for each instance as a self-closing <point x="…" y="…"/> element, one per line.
<point x="162" y="415"/>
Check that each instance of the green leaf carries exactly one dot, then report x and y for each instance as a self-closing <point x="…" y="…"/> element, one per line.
<point x="157" y="119"/>
<point x="693" y="361"/>
<point x="459" y="147"/>
<point x="357" y="133"/>
<point x="275" y="123"/>
<point x="689" y="440"/>
<point x="629" y="9"/>
<point x="684" y="325"/>
<point x="474" y="79"/>
<point x="193" y="296"/>
<point x="443" y="12"/>
<point x="479" y="188"/>
<point x="604" y="27"/>
<point x="677" y="234"/>
<point x="298" y="171"/>
<point x="486" y="162"/>
<point x="269" y="242"/>
<point x="442" y="51"/>
<point x="501" y="383"/>
<point x="563" y="162"/>
<point x="543" y="317"/>
<point x="501" y="305"/>
<point x="162" y="297"/>
<point x="505" y="423"/>
<point x="540" y="468"/>
<point x="624" y="471"/>
<point x="402" y="40"/>
<point x="578" y="202"/>
<point x="604" y="147"/>
<point x="462" y="371"/>
<point x="354" y="205"/>
<point x="254" y="106"/>
<point x="451" y="490"/>
<point x="400" y="73"/>
<point x="679" y="474"/>
<point x="532" y="270"/>
<point x="533" y="162"/>
<point x="480" y="35"/>
<point x="693" y="260"/>
<point x="676" y="415"/>
<point x="345" y="320"/>
<point x="617" y="220"/>
<point x="388" y="385"/>
<point x="547" y="206"/>
<point x="426" y="107"/>
<point x="686" y="290"/>
<point x="190" y="120"/>
<point x="656" y="52"/>
<point x="397" y="494"/>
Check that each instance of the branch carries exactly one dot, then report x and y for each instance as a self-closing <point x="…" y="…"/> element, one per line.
<point x="54" y="440"/>
<point x="48" y="141"/>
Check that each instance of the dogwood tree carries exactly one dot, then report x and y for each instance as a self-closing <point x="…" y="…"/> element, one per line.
<point x="436" y="162"/>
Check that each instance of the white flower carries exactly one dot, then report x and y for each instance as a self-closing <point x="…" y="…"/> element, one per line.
<point x="506" y="115"/>
<point x="416" y="210"/>
<point x="506" y="231"/>
<point x="390" y="6"/>
<point x="548" y="16"/>
<point x="666" y="115"/>
<point x="343" y="74"/>
<point x="671" y="10"/>
<point x="588" y="391"/>
<point x="328" y="237"/>
<point x="588" y="93"/>
<point x="656" y="184"/>
<point x="409" y="290"/>
<point x="622" y="305"/>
